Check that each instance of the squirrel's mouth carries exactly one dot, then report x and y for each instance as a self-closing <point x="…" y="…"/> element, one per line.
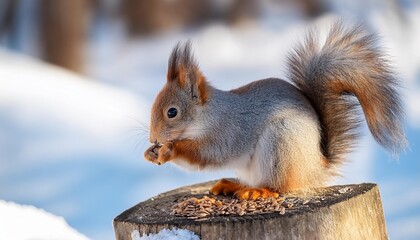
<point x="170" y="136"/>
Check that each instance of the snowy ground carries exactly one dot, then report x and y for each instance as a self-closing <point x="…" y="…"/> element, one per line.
<point x="73" y="146"/>
<point x="19" y="222"/>
<point x="166" y="234"/>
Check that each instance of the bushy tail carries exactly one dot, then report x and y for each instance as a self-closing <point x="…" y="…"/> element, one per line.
<point x="349" y="64"/>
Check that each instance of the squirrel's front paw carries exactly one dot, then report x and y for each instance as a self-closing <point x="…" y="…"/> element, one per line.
<point x="165" y="153"/>
<point x="159" y="154"/>
<point x="152" y="153"/>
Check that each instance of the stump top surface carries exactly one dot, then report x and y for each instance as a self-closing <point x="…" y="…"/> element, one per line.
<point x="157" y="210"/>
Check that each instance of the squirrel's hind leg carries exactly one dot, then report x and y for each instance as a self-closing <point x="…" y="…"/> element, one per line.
<point x="227" y="187"/>
<point x="254" y="193"/>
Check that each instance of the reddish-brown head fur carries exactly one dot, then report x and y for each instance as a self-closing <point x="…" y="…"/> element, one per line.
<point x="186" y="90"/>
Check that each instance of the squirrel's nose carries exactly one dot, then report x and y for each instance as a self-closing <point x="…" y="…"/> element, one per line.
<point x="153" y="140"/>
<point x="155" y="137"/>
<point x="152" y="137"/>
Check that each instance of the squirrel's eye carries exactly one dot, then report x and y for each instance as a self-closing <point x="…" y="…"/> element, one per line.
<point x="172" y="112"/>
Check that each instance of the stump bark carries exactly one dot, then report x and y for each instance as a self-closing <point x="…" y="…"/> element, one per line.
<point x="337" y="212"/>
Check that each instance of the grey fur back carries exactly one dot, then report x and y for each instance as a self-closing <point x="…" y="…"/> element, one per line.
<point x="349" y="64"/>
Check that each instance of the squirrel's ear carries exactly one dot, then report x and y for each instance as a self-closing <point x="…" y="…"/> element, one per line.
<point x="184" y="70"/>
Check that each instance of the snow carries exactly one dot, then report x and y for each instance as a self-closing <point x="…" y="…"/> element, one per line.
<point x="19" y="222"/>
<point x="166" y="234"/>
<point x="31" y="91"/>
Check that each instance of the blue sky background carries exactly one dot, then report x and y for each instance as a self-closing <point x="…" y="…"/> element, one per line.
<point x="74" y="147"/>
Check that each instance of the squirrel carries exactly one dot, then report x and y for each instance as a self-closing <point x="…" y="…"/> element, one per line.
<point x="279" y="135"/>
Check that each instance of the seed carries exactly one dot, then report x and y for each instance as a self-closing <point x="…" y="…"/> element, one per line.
<point x="282" y="210"/>
<point x="344" y="190"/>
<point x="202" y="215"/>
<point x="251" y="208"/>
<point x="287" y="204"/>
<point x="202" y="208"/>
<point x="208" y="209"/>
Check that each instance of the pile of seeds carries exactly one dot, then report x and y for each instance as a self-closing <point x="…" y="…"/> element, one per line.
<point x="203" y="208"/>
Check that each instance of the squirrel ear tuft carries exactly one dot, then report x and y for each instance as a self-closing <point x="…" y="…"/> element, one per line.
<point x="183" y="69"/>
<point x="180" y="61"/>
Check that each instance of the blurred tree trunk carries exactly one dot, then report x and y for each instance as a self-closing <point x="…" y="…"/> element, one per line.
<point x="243" y="11"/>
<point x="313" y="8"/>
<point x="146" y="16"/>
<point x="63" y="27"/>
<point x="8" y="16"/>
<point x="139" y="15"/>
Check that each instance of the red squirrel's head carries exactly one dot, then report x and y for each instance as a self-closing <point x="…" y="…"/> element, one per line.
<point x="176" y="110"/>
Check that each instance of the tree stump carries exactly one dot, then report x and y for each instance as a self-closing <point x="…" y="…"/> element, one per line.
<point x="337" y="212"/>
